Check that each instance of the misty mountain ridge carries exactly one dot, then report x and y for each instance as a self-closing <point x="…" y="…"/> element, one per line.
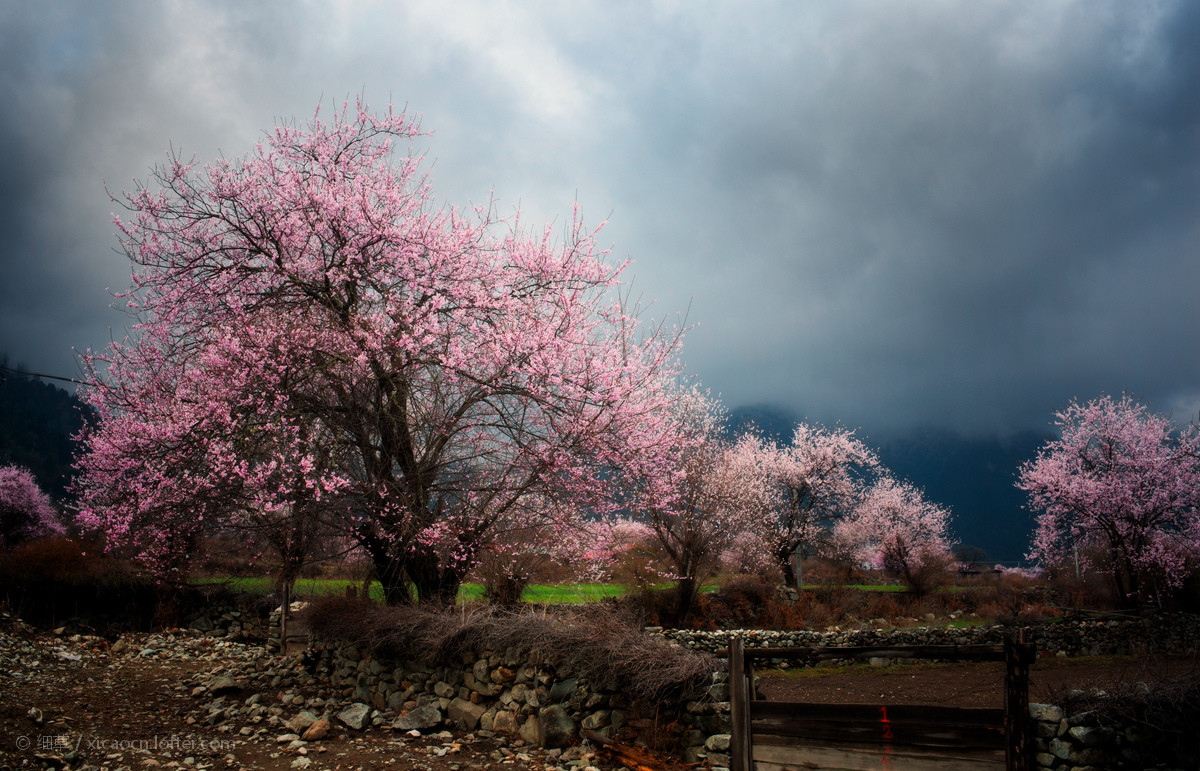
<point x="973" y="476"/>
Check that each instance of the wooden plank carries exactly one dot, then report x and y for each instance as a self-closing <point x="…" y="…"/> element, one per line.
<point x="895" y="712"/>
<point x="948" y="652"/>
<point x="856" y="758"/>
<point x="928" y="736"/>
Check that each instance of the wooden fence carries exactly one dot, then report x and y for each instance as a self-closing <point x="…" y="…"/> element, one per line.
<point x="781" y="736"/>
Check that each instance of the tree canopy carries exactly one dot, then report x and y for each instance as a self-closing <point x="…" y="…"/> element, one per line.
<point x="314" y="332"/>
<point x="1119" y="490"/>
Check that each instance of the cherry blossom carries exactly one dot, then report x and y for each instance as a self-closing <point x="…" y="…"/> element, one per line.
<point x="26" y="512"/>
<point x="1118" y="490"/>
<point x="316" y="336"/>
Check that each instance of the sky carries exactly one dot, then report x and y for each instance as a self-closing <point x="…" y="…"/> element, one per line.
<point x="889" y="215"/>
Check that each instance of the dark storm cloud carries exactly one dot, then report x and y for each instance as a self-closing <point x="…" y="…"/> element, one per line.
<point x="886" y="214"/>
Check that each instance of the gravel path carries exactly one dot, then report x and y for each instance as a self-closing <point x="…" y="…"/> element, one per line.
<point x="181" y="700"/>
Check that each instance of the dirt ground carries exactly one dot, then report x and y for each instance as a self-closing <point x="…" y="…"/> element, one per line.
<point x="72" y="702"/>
<point x="963" y="684"/>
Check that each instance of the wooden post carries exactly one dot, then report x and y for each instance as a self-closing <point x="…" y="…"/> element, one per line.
<point x="1018" y="656"/>
<point x="740" y="689"/>
<point x="284" y="610"/>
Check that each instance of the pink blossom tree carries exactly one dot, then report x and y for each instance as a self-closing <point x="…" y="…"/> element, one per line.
<point x="716" y="489"/>
<point x="214" y="446"/>
<point x="1119" y="489"/>
<point x="896" y="529"/>
<point x="26" y="512"/>
<point x="815" y="481"/>
<point x="312" y="331"/>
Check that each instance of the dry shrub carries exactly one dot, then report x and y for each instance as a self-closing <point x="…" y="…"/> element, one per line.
<point x="59" y="579"/>
<point x="747" y="601"/>
<point x="596" y="641"/>
<point x="1162" y="710"/>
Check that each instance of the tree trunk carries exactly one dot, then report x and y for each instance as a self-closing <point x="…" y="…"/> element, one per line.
<point x="392" y="577"/>
<point x="685" y="596"/>
<point x="783" y="558"/>
<point x="434" y="583"/>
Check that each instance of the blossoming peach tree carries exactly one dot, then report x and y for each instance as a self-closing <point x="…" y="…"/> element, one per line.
<point x="315" y="339"/>
<point x="1119" y="490"/>
<point x="26" y="512"/>
<point x="894" y="528"/>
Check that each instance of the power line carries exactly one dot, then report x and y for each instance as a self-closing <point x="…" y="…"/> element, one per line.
<point x="22" y="373"/>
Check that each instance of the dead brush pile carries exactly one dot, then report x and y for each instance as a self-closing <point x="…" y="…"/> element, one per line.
<point x="1159" y="711"/>
<point x="596" y="642"/>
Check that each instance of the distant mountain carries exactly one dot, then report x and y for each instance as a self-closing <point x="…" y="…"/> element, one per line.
<point x="972" y="476"/>
<point x="768" y="420"/>
<point x="37" y="423"/>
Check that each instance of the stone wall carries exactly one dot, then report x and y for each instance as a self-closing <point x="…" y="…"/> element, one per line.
<point x="1175" y="634"/>
<point x="1079" y="742"/>
<point x="507" y="692"/>
<point x="232" y="623"/>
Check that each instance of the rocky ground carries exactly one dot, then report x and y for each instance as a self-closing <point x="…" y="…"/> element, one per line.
<point x="181" y="700"/>
<point x="184" y="699"/>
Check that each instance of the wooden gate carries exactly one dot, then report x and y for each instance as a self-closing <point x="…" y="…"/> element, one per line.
<point x="780" y="736"/>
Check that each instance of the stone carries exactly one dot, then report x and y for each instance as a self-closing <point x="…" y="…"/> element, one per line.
<point x="529" y="731"/>
<point x="356" y="716"/>
<point x="444" y="690"/>
<point x="1060" y="749"/>
<point x="505" y="722"/>
<point x="223" y="686"/>
<point x="300" y="723"/>
<point x="1048" y="713"/>
<point x="596" y="720"/>
<point x="317" y="731"/>
<point x="717" y="743"/>
<point x="1088" y="736"/>
<point x="464" y="712"/>
<point x="563" y="690"/>
<point x="556" y="727"/>
<point x="419" y="719"/>
<point x="1088" y="756"/>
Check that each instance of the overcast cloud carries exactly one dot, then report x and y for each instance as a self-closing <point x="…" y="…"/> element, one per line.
<point x="889" y="214"/>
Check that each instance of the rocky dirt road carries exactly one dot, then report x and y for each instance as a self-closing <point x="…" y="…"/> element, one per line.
<point x="181" y="700"/>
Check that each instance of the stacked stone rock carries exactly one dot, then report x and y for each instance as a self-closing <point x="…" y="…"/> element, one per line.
<point x="509" y="692"/>
<point x="506" y="692"/>
<point x="1079" y="743"/>
<point x="233" y="623"/>
<point x="1169" y="633"/>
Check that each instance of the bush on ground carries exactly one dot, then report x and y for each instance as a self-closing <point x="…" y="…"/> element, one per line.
<point x="1162" y="710"/>
<point x="597" y="641"/>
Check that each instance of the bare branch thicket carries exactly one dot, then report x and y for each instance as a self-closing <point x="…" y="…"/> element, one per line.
<point x="595" y="642"/>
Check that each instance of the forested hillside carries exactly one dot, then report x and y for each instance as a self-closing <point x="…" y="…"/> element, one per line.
<point x="37" y="423"/>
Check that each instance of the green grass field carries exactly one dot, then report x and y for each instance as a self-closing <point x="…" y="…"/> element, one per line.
<point x="571" y="594"/>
